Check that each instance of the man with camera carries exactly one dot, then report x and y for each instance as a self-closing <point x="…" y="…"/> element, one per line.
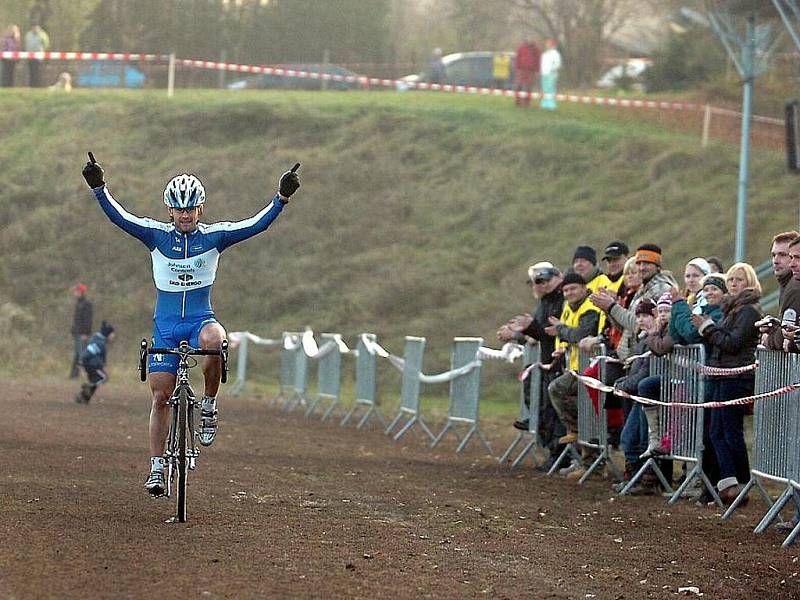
<point x="778" y="333"/>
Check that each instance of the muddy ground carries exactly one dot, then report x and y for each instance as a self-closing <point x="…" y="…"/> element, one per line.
<point x="282" y="506"/>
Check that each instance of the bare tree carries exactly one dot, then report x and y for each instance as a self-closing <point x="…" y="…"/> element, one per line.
<point x="583" y="28"/>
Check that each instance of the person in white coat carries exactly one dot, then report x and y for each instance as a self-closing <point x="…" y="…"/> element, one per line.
<point x="550" y="65"/>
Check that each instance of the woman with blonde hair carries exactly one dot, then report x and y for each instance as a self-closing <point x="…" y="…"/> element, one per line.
<point x="742" y="276"/>
<point x="732" y="343"/>
<point x="693" y="274"/>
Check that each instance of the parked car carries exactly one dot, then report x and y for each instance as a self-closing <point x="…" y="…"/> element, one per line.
<point x="628" y="74"/>
<point x="271" y="81"/>
<point x="110" y="74"/>
<point x="469" y="69"/>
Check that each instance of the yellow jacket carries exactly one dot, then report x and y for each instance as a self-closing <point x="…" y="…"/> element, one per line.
<point x="571" y="320"/>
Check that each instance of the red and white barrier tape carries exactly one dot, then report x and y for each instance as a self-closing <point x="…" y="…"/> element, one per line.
<point x="602" y="387"/>
<point x="682" y="362"/>
<point x="524" y="374"/>
<point x="368" y="82"/>
<point x="124" y="56"/>
<point x="722" y="372"/>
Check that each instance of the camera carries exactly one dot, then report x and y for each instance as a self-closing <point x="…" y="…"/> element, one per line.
<point x="768" y="322"/>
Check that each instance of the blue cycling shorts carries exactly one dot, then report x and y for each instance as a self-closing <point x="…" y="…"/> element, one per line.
<point x="169" y="334"/>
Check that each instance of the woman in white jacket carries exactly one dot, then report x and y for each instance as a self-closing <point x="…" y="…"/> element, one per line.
<point x="550" y="65"/>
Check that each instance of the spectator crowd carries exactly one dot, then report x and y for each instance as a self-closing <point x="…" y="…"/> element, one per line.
<point x="630" y="303"/>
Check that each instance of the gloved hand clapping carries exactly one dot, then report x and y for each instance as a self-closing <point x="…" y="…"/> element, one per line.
<point x="93" y="173"/>
<point x="289" y="182"/>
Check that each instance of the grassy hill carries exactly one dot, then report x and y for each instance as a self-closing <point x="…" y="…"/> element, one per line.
<point x="418" y="213"/>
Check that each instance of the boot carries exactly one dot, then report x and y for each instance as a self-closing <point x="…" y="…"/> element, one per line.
<point x="654" y="446"/>
<point x="83" y="396"/>
<point x="630" y="470"/>
<point x="648" y="485"/>
<point x="729" y="489"/>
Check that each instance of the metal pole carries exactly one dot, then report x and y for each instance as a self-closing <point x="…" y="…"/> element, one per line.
<point x="171" y="76"/>
<point x="748" y="73"/>
<point x="223" y="58"/>
<point x="706" y="125"/>
<point x="326" y="59"/>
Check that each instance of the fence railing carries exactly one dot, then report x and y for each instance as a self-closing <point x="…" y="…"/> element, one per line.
<point x="682" y="405"/>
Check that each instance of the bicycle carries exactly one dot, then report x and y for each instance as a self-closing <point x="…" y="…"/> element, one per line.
<point x="181" y="450"/>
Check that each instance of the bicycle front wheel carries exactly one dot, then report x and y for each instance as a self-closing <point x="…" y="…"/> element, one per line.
<point x="183" y="460"/>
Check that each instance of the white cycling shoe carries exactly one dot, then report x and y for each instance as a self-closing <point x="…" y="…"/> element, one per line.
<point x="156" y="484"/>
<point x="208" y="427"/>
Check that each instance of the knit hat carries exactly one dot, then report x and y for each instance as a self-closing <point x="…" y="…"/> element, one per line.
<point x="646" y="307"/>
<point x="715" y="279"/>
<point x="586" y="252"/>
<point x="573" y="277"/>
<point x="649" y="253"/>
<point x="615" y="249"/>
<point x="701" y="264"/>
<point x="80" y="288"/>
<point x="664" y="300"/>
<point x="106" y="328"/>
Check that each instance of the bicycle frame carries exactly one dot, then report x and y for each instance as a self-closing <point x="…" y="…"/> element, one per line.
<point x="181" y="451"/>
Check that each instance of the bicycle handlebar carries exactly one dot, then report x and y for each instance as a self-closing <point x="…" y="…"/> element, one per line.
<point x="184" y="350"/>
<point x="187" y="352"/>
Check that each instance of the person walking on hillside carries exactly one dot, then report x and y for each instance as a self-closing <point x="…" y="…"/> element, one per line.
<point x="93" y="360"/>
<point x="526" y="67"/>
<point x="36" y="40"/>
<point x="12" y="42"/>
<point x="501" y="70"/>
<point x="550" y="66"/>
<point x="81" y="326"/>
<point x="184" y="254"/>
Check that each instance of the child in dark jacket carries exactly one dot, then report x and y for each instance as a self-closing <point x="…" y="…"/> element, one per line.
<point x="93" y="360"/>
<point x="634" y="433"/>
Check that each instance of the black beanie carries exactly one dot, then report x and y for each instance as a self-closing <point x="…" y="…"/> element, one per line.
<point x="586" y="252"/>
<point x="573" y="277"/>
<point x="716" y="279"/>
<point x="106" y="328"/>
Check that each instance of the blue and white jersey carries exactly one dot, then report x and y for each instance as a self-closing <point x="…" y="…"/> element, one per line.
<point x="185" y="264"/>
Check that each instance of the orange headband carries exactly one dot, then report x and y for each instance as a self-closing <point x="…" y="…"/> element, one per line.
<point x="648" y="256"/>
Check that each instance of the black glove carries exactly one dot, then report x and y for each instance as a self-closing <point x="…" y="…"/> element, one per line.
<point x="289" y="182"/>
<point x="93" y="173"/>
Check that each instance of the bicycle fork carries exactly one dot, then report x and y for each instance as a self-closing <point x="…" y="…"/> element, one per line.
<point x="171" y="451"/>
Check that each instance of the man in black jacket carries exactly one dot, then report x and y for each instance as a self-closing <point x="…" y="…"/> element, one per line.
<point x="81" y="326"/>
<point x="545" y="281"/>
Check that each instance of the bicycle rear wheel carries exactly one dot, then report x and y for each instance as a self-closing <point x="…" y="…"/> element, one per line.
<point x="183" y="460"/>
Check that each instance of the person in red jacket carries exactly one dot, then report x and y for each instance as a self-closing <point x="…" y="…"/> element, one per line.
<point x="526" y="69"/>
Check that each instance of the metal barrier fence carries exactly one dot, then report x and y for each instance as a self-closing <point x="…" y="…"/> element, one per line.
<point x="464" y="393"/>
<point x="241" y="340"/>
<point x="776" y="438"/>
<point x="776" y="423"/>
<point x="529" y="409"/>
<point x="409" y="390"/>
<point x="287" y="367"/>
<point x="329" y="368"/>
<point x="299" y="386"/>
<point x="681" y="428"/>
<point x="366" y="382"/>
<point x="592" y="424"/>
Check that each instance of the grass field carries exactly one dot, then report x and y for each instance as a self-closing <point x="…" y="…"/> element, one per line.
<point x="418" y="215"/>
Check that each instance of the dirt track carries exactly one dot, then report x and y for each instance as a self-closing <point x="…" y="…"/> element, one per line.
<point x="285" y="507"/>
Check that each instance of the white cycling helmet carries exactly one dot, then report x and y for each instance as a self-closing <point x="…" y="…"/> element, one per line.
<point x="184" y="191"/>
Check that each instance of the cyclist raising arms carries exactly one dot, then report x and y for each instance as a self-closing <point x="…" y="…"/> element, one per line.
<point x="184" y="254"/>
